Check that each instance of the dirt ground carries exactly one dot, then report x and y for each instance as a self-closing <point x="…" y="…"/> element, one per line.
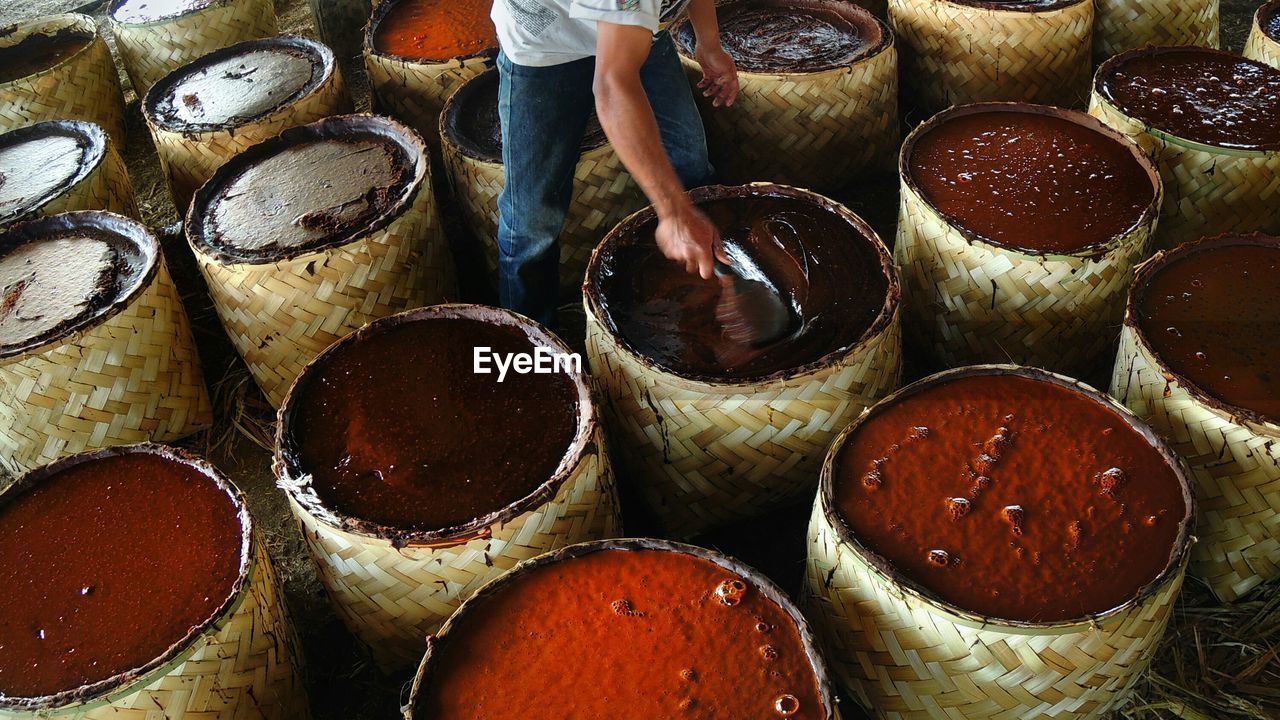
<point x="343" y="684"/>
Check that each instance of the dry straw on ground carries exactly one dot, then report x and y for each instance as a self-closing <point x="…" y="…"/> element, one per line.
<point x="84" y="86"/>
<point x="393" y="587"/>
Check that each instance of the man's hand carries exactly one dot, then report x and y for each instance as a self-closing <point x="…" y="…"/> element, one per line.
<point x="689" y="237"/>
<point x="719" y="75"/>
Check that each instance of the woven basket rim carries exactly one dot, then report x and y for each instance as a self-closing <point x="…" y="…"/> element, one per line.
<point x="315" y="51"/>
<point x="380" y="12"/>
<point x="102" y="221"/>
<point x="1268" y="11"/>
<point x="808" y="639"/>
<point x="1145" y="272"/>
<point x="867" y="54"/>
<point x="180" y="14"/>
<point x="1100" y="96"/>
<point x="997" y="9"/>
<point x="334" y="126"/>
<point x="728" y="386"/>
<point x="893" y="578"/>
<point x="69" y="21"/>
<point x="93" y="142"/>
<point x="298" y="484"/>
<point x="1149" y="213"/>
<point x="450" y="144"/>
<point x="130" y="681"/>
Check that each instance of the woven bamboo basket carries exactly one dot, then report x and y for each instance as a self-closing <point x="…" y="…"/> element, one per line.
<point x="971" y="301"/>
<point x="910" y="655"/>
<point x="190" y="152"/>
<point x="245" y="662"/>
<point x="102" y="182"/>
<point x="85" y="86"/>
<point x="1208" y="190"/>
<point x="415" y="91"/>
<point x="705" y="452"/>
<point x="130" y="375"/>
<point x="1234" y="454"/>
<point x="430" y="663"/>
<point x="1123" y="25"/>
<point x="819" y="130"/>
<point x="603" y="194"/>
<point x="1261" y="46"/>
<point x="152" y="49"/>
<point x="280" y="313"/>
<point x="392" y="588"/>
<point x="953" y="53"/>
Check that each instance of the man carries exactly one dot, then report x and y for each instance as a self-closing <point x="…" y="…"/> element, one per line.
<point x="557" y="55"/>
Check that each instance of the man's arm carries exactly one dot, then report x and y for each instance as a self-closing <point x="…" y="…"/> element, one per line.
<point x="684" y="234"/>
<point x="719" y="72"/>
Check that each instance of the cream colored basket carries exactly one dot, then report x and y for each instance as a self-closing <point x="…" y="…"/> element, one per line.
<point x="280" y="313"/>
<point x="819" y="130"/>
<point x="1208" y="190"/>
<point x="393" y="588"/>
<point x="912" y="656"/>
<point x="132" y="375"/>
<point x="1129" y="24"/>
<point x="244" y="663"/>
<point x="1234" y="455"/>
<point x="102" y="182"/>
<point x="603" y="194"/>
<point x="191" y="152"/>
<point x="415" y="91"/>
<point x="150" y="50"/>
<point x="1261" y="46"/>
<point x="430" y="664"/>
<point x="85" y="86"/>
<point x="955" y="53"/>
<point x="702" y="452"/>
<point x="971" y="301"/>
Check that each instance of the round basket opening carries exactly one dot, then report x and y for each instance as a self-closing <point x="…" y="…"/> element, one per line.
<point x="62" y="274"/>
<point x="38" y="46"/>
<point x="830" y="271"/>
<point x="1031" y="178"/>
<point x="1021" y="6"/>
<point x="428" y="427"/>
<point x="114" y="562"/>
<point x="1269" y="19"/>
<point x="661" y="630"/>
<point x="40" y="162"/>
<point x="1010" y="495"/>
<point x="792" y="36"/>
<point x="312" y="187"/>
<point x="237" y="85"/>
<point x="1206" y="310"/>
<point x="431" y="32"/>
<point x="1205" y="96"/>
<point x="144" y="12"/>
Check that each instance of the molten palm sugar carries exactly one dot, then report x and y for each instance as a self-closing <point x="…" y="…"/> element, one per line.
<point x="1031" y="181"/>
<point x="228" y="88"/>
<point x="398" y="429"/>
<point x="792" y="36"/>
<point x="623" y="635"/>
<point x="307" y="189"/>
<point x="1207" y="96"/>
<point x="40" y="161"/>
<point x="472" y="124"/>
<point x="58" y="277"/>
<point x="106" y="565"/>
<point x="1011" y="497"/>
<point x="1208" y="312"/>
<point x="1271" y="22"/>
<point x="825" y="267"/>
<point x="39" y="52"/>
<point x="436" y="30"/>
<point x="134" y="12"/>
<point x="1019" y="5"/>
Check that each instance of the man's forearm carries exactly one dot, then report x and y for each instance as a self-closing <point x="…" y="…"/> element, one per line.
<point x="628" y="120"/>
<point x="702" y="16"/>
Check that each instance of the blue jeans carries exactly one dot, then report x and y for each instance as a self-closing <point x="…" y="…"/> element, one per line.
<point x="544" y="112"/>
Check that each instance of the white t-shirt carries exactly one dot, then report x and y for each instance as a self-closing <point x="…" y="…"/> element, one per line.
<point x="552" y="32"/>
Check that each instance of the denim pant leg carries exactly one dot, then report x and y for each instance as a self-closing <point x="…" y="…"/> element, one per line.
<point x="683" y="136"/>
<point x="544" y="112"/>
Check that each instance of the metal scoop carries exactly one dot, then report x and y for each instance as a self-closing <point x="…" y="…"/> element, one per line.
<point x="750" y="310"/>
